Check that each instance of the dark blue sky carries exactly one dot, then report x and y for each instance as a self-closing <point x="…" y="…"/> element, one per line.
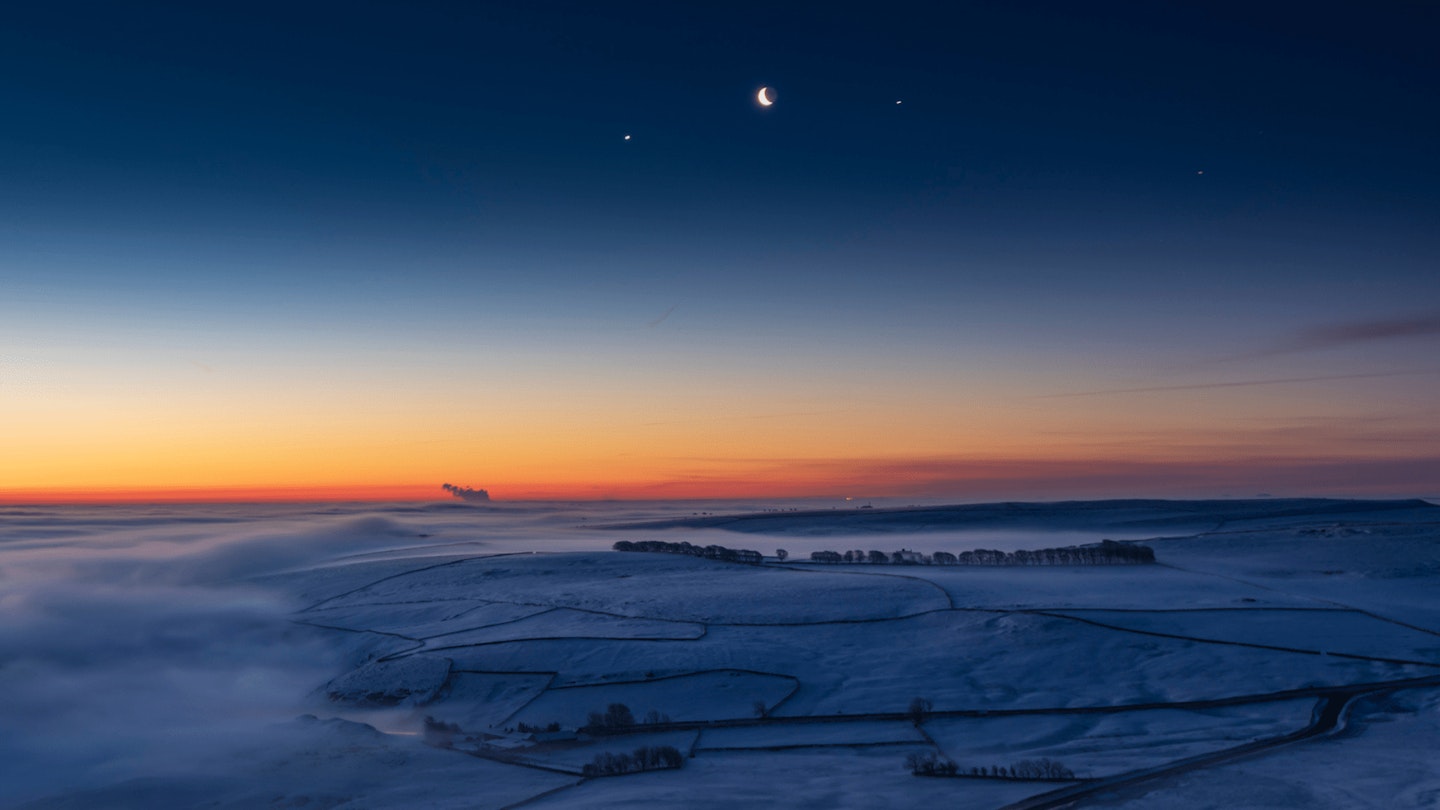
<point x="425" y="122"/>
<point x="1071" y="196"/>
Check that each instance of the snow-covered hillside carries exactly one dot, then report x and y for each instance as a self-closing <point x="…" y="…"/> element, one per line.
<point x="460" y="656"/>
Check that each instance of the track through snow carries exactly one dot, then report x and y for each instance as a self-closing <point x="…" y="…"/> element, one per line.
<point x="1327" y="718"/>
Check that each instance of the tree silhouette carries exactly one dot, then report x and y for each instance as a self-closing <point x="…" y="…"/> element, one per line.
<point x="618" y="715"/>
<point x="919" y="707"/>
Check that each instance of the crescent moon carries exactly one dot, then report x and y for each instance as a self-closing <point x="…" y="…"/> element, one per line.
<point x="763" y="98"/>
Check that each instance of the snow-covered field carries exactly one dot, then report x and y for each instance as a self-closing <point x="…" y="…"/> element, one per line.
<point x="700" y="696"/>
<point x="1386" y="760"/>
<point x="1325" y="631"/>
<point x="180" y="656"/>
<point x="1096" y="745"/>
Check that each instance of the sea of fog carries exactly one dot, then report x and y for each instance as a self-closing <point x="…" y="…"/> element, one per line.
<point x="136" y="641"/>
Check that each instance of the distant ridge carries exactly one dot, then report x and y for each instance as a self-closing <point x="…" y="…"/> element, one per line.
<point x="1127" y="514"/>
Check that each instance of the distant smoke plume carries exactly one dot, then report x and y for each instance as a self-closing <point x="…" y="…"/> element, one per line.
<point x="466" y="493"/>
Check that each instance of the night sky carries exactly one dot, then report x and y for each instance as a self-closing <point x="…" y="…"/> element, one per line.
<point x="357" y="250"/>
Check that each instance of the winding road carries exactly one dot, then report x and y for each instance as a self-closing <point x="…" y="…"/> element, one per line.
<point x="1334" y="701"/>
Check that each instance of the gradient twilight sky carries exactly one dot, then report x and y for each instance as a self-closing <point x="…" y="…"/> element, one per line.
<point x="360" y="249"/>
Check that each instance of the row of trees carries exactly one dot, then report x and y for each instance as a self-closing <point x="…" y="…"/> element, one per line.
<point x="932" y="764"/>
<point x="526" y="728"/>
<point x="1108" y="552"/>
<point x="740" y="555"/>
<point x="645" y="758"/>
<point x="440" y="733"/>
<point x="1042" y="768"/>
<point x="618" y="717"/>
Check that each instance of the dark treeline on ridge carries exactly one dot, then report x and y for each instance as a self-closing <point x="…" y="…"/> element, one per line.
<point x="740" y="555"/>
<point x="645" y="758"/>
<point x="1044" y="769"/>
<point x="1108" y="552"/>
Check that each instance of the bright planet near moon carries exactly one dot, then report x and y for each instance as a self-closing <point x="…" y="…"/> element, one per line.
<point x="764" y="97"/>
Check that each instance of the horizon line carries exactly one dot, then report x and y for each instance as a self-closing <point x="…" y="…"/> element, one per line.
<point x="266" y="496"/>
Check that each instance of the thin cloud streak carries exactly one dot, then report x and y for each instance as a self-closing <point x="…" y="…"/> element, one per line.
<point x="663" y="316"/>
<point x="1359" y="332"/>
<point x="745" y="417"/>
<point x="1100" y="476"/>
<point x="1352" y="333"/>
<point x="1238" y="383"/>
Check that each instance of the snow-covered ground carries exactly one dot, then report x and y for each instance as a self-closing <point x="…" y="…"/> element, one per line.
<point x="666" y="587"/>
<point x="172" y="656"/>
<point x="797" y="735"/>
<point x="1103" y="586"/>
<point x="813" y="779"/>
<point x="1326" y="631"/>
<point x="958" y="660"/>
<point x="1096" y="745"/>
<point x="700" y="696"/>
<point x="1385" y="760"/>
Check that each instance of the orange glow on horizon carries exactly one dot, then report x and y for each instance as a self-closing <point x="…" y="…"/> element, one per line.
<point x="159" y="495"/>
<point x="561" y="429"/>
<point x="952" y="478"/>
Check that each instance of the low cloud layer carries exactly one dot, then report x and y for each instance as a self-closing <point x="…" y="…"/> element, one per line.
<point x="139" y="648"/>
<point x="1202" y="386"/>
<point x="104" y="684"/>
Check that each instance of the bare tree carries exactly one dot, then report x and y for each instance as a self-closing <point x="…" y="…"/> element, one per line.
<point x="930" y="764"/>
<point x="618" y="715"/>
<point x="645" y="758"/>
<point x="919" y="707"/>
